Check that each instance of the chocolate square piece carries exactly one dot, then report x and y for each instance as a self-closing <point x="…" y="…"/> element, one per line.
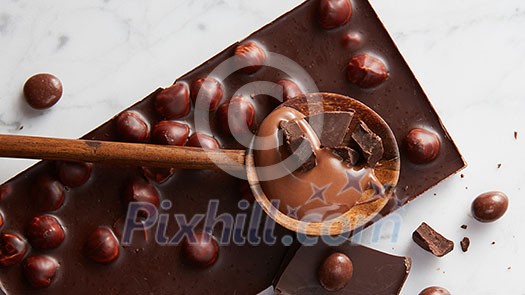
<point x="369" y="144"/>
<point x="432" y="241"/>
<point x="369" y="271"/>
<point x="331" y="127"/>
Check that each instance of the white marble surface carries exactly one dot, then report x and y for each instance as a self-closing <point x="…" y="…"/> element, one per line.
<point x="468" y="55"/>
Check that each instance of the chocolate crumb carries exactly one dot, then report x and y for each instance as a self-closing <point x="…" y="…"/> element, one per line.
<point x="493" y="243"/>
<point x="499" y="165"/>
<point x="462" y="176"/>
<point x="464" y="226"/>
<point x="515" y="134"/>
<point x="465" y="243"/>
<point x="508" y="268"/>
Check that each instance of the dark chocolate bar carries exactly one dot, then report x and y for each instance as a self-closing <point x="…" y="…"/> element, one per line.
<point x="89" y="260"/>
<point x="343" y="269"/>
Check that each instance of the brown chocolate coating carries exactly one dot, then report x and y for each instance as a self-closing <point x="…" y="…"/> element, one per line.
<point x="334" y="13"/>
<point x="174" y="101"/>
<point x="237" y="116"/>
<point x="250" y="56"/>
<point x="366" y="71"/>
<point x="170" y="133"/>
<point x="490" y="206"/>
<point x="40" y="270"/>
<point x="45" y="232"/>
<point x="49" y="193"/>
<point x="290" y="89"/>
<point x="74" y="174"/>
<point x="335" y="272"/>
<point x="42" y="91"/>
<point x="421" y="145"/>
<point x="434" y="290"/>
<point x="202" y="252"/>
<point x="203" y="141"/>
<point x="432" y="241"/>
<point x="13" y="248"/>
<point x="209" y="92"/>
<point x="102" y="246"/>
<point x="133" y="127"/>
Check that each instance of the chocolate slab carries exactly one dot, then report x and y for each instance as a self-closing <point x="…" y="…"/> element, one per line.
<point x="374" y="272"/>
<point x="245" y="269"/>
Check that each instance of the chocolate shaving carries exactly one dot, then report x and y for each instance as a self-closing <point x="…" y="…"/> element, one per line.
<point x="368" y="143"/>
<point x="298" y="146"/>
<point x="334" y="126"/>
<point x="430" y="240"/>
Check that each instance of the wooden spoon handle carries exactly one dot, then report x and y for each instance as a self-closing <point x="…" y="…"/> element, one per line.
<point x="149" y="155"/>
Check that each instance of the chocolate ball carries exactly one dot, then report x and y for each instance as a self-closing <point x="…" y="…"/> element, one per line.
<point x="158" y="175"/>
<point x="140" y="190"/>
<point x="170" y="133"/>
<point x="42" y="91"/>
<point x="250" y="56"/>
<point x="174" y="101"/>
<point x="74" y="174"/>
<point x="351" y="40"/>
<point x="13" y="248"/>
<point x="366" y="71"/>
<point x="434" y="290"/>
<point x="132" y="126"/>
<point x="49" y="194"/>
<point x="290" y="89"/>
<point x="202" y="252"/>
<point x="208" y="91"/>
<point x="45" y="232"/>
<point x="203" y="141"/>
<point x="335" y="272"/>
<point x="334" y="13"/>
<point x="237" y="116"/>
<point x="490" y="206"/>
<point x="40" y="270"/>
<point x="102" y="246"/>
<point x="421" y="145"/>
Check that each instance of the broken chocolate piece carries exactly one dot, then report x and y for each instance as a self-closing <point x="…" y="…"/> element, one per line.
<point x="298" y="146"/>
<point x="369" y="144"/>
<point x="331" y="127"/>
<point x="465" y="243"/>
<point x="374" y="272"/>
<point x="347" y="154"/>
<point x="430" y="240"/>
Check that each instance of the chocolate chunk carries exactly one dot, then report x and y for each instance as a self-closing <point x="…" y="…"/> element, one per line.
<point x="334" y="126"/>
<point x="298" y="145"/>
<point x="465" y="243"/>
<point x="347" y="154"/>
<point x="464" y="226"/>
<point x="369" y="144"/>
<point x="373" y="272"/>
<point x="430" y="240"/>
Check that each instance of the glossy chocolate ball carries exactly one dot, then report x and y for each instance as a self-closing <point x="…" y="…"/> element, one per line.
<point x="174" y="101"/>
<point x="74" y="174"/>
<point x="42" y="91"/>
<point x="290" y="89"/>
<point x="133" y="127"/>
<point x="40" y="270"/>
<point x="203" y="141"/>
<point x="170" y="133"/>
<point x="434" y="290"/>
<point x="208" y="92"/>
<point x="334" y="13"/>
<point x="158" y="175"/>
<point x="49" y="193"/>
<point x="45" y="232"/>
<point x="13" y="248"/>
<point x="490" y="206"/>
<point x="250" y="56"/>
<point x="202" y="252"/>
<point x="351" y="40"/>
<point x="366" y="71"/>
<point x="140" y="190"/>
<point x="421" y="145"/>
<point x="237" y="116"/>
<point x="102" y="246"/>
<point x="335" y="272"/>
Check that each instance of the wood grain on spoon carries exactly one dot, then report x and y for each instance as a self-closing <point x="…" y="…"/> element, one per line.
<point x="137" y="154"/>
